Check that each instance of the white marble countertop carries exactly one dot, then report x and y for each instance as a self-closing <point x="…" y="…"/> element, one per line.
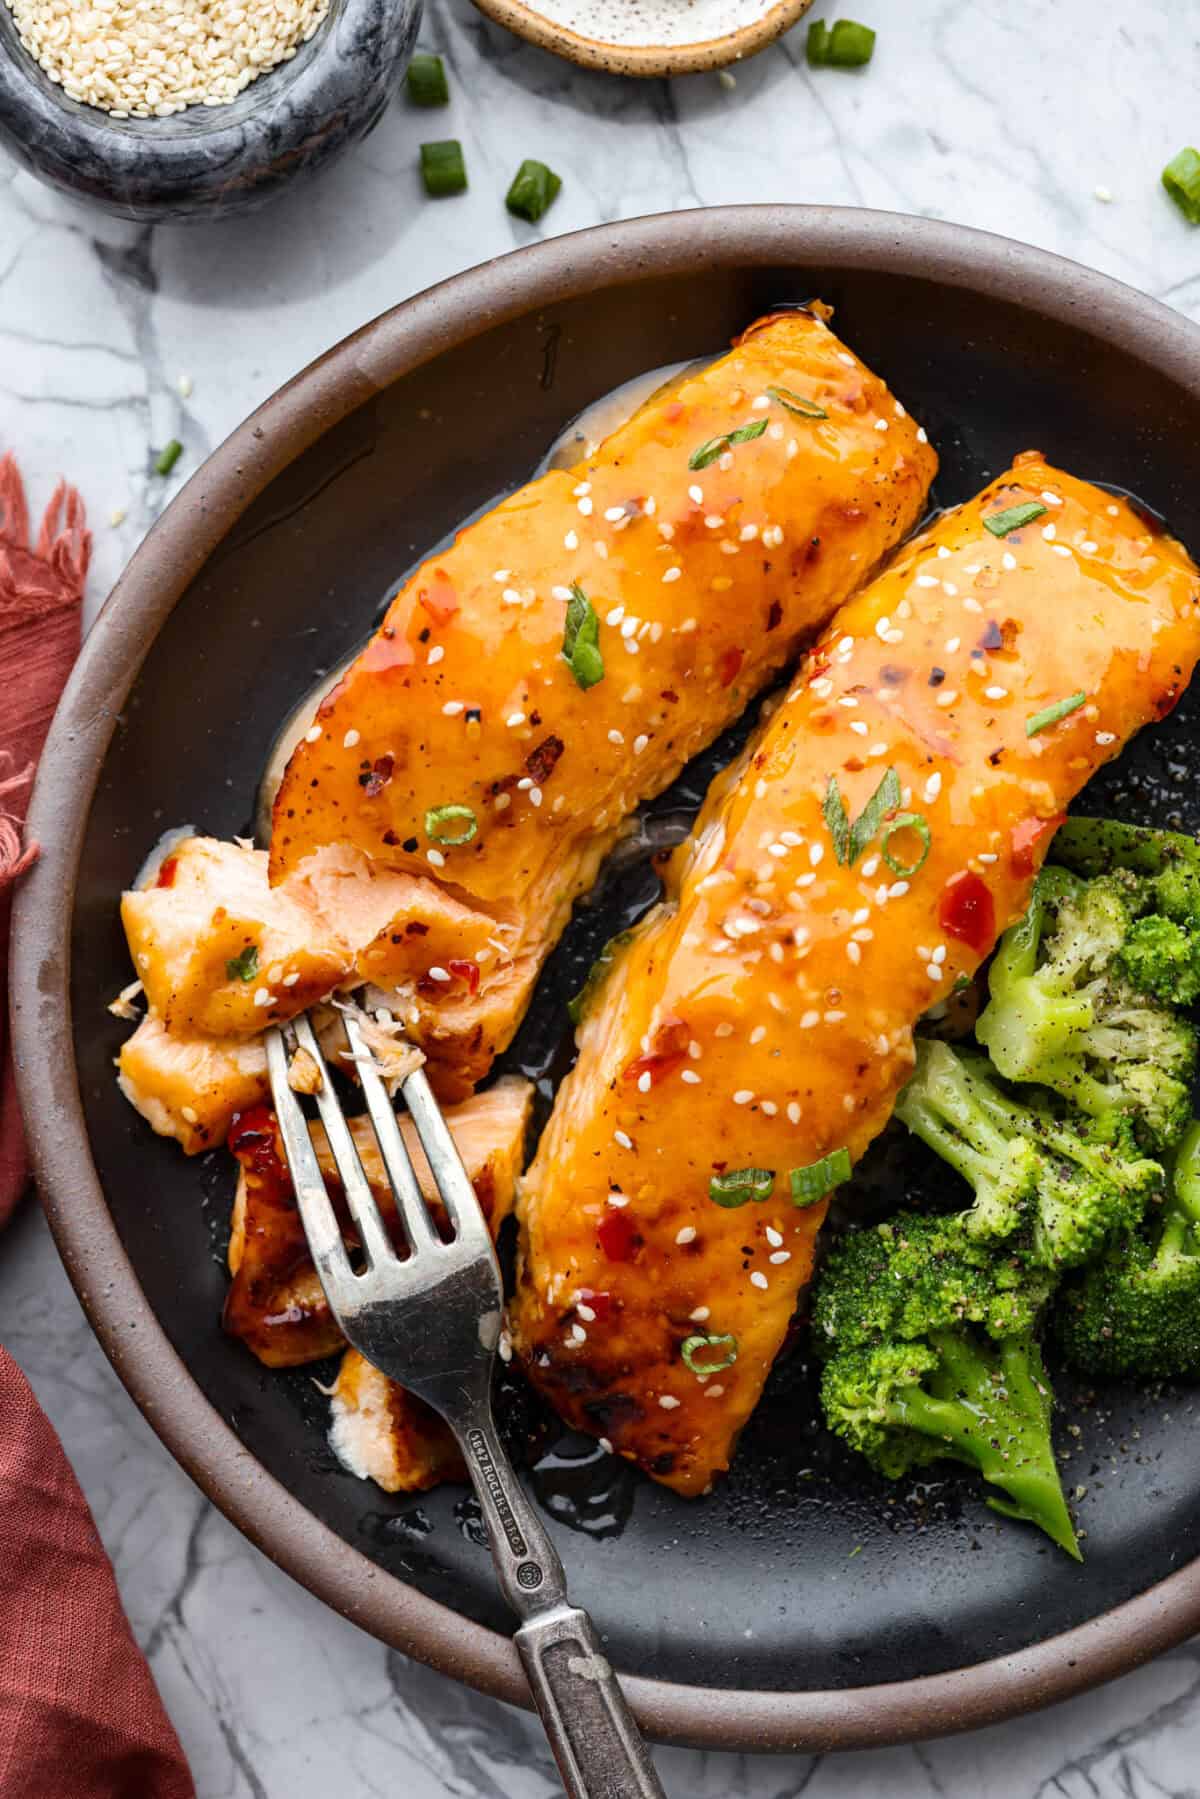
<point x="115" y="338"/>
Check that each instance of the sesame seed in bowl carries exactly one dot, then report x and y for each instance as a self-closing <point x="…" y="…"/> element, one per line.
<point x="170" y="109"/>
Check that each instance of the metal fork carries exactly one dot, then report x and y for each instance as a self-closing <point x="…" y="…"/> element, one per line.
<point x="432" y="1322"/>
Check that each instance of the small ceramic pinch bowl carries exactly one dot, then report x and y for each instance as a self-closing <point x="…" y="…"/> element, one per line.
<point x="641" y="37"/>
<point x="211" y="160"/>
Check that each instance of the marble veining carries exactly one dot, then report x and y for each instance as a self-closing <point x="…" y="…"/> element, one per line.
<point x="116" y="337"/>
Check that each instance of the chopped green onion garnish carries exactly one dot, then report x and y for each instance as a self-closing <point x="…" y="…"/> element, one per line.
<point x="534" y="186"/>
<point x="844" y="45"/>
<point x="812" y="1183"/>
<point x="461" y="821"/>
<point x="1050" y="715"/>
<point x="243" y="967"/>
<point x="1013" y="517"/>
<point x="1181" y="178"/>
<point x="581" y="639"/>
<point x="805" y="409"/>
<point x="834" y="808"/>
<point x="578" y="1006"/>
<point x="723" y="1346"/>
<point x="442" y="167"/>
<point x="717" y="446"/>
<point x="166" y="459"/>
<point x="741" y="1184"/>
<point x="905" y="821"/>
<point x="885" y="798"/>
<point x="426" y="81"/>
<point x="849" y="841"/>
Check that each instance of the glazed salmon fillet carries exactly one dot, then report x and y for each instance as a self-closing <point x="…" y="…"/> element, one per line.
<point x="189" y="1087"/>
<point x="566" y="656"/>
<point x="750" y="1040"/>
<point x="276" y="1304"/>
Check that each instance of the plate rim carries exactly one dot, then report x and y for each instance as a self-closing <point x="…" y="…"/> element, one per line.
<point x="198" y="518"/>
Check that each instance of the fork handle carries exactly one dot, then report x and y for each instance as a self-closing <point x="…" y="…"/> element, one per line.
<point x="598" y="1747"/>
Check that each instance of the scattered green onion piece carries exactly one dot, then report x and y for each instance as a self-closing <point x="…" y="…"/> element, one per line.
<point x="805" y="409"/>
<point x="1013" y="517"/>
<point x="426" y="81"/>
<point x="738" y="1185"/>
<point x="905" y="821"/>
<point x="833" y="806"/>
<point x="820" y="1178"/>
<point x="1050" y="715"/>
<point x="851" y="45"/>
<point x="533" y="188"/>
<point x="243" y="967"/>
<point x="691" y="1347"/>
<point x="442" y="168"/>
<point x="816" y="45"/>
<point x="885" y="798"/>
<point x="581" y="639"/>
<point x="717" y="446"/>
<point x="843" y="45"/>
<point x="167" y="457"/>
<point x="1181" y="178"/>
<point x="438" y="817"/>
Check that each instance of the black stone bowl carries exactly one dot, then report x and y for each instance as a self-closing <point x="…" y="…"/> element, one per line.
<point x="211" y="160"/>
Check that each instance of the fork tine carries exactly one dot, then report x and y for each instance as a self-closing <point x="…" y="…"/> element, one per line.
<point x="361" y="1201"/>
<point x="410" y="1200"/>
<point x="453" y="1182"/>
<point x="316" y="1211"/>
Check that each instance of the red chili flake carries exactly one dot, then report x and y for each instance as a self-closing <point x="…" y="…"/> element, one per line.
<point x="774" y="615"/>
<point x="540" y="762"/>
<point x="439" y="598"/>
<point x="618" y="1236"/>
<point x="602" y="1304"/>
<point x="657" y="1066"/>
<point x="729" y="663"/>
<point x="465" y="971"/>
<point x="1025" y="838"/>
<point x="377" y="778"/>
<point x="673" y="413"/>
<point x="967" y="911"/>
<point x="166" y="873"/>
<point x="668" y="1053"/>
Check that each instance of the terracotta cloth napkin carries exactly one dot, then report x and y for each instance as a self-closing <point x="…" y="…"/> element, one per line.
<point x="80" y="1717"/>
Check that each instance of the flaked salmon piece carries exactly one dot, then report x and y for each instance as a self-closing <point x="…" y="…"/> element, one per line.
<point x="189" y="1087"/>
<point x="275" y="1304"/>
<point x="384" y="1434"/>
<point x="219" y="951"/>
<point x="749" y="1041"/>
<point x="574" y="648"/>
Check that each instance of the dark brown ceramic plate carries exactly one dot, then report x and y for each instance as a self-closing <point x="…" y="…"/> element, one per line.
<point x="745" y="1620"/>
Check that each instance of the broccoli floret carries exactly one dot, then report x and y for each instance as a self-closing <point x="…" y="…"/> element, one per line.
<point x="1064" y="1011"/>
<point x="1063" y="1186"/>
<point x="1159" y="957"/>
<point x="915" y="1274"/>
<point x="1137" y="1311"/>
<point x="930" y="1352"/>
